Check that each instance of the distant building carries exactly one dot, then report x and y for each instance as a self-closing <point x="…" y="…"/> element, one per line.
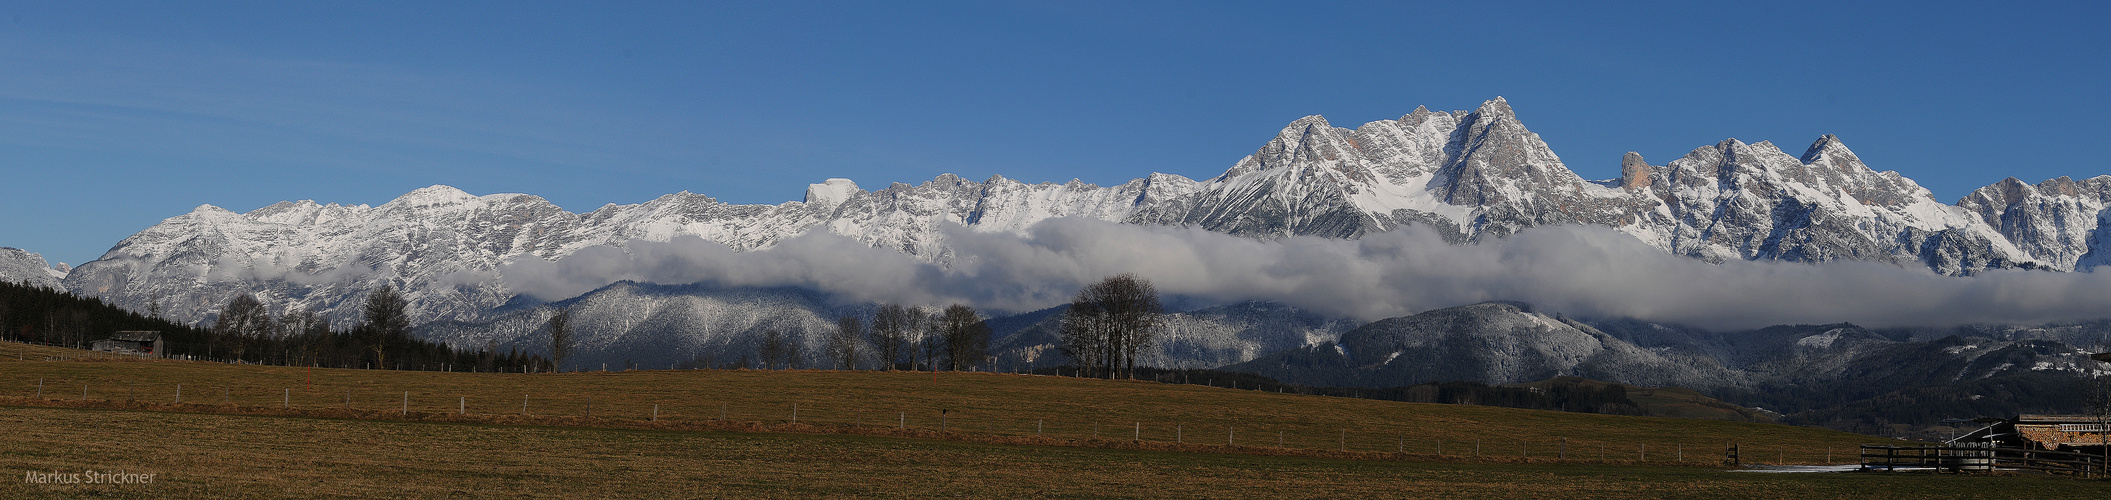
<point x="142" y="343"/>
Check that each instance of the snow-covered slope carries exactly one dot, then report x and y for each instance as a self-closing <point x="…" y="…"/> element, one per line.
<point x="660" y="326"/>
<point x="1469" y="174"/>
<point x="1789" y="364"/>
<point x="1203" y="338"/>
<point x="1495" y="343"/>
<point x="23" y="266"/>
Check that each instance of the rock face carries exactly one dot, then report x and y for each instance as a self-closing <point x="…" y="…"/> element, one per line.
<point x="2060" y="222"/>
<point x="26" y="267"/>
<point x="1469" y="174"/>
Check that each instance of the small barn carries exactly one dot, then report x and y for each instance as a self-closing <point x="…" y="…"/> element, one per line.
<point x="141" y="343"/>
<point x="2083" y="433"/>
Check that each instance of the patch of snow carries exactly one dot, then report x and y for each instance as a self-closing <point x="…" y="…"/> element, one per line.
<point x="1819" y="341"/>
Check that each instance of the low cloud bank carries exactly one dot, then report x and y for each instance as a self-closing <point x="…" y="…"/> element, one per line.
<point x="1579" y="271"/>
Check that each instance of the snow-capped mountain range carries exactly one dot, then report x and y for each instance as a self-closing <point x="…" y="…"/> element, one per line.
<point x="1469" y="174"/>
<point x="23" y="266"/>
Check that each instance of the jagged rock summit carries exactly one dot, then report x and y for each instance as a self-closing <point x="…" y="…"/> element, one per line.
<point x="1469" y="174"/>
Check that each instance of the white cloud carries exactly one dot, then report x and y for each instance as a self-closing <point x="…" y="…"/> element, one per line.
<point x="1580" y="271"/>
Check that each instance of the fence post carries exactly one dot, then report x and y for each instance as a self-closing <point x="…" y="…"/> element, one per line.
<point x="523" y="405"/>
<point x="901" y="422"/>
<point x="590" y="402"/>
<point x="655" y="412"/>
<point x="286" y="401"/>
<point x="40" y="388"/>
<point x="348" y="396"/>
<point x="84" y="392"/>
<point x="1645" y="453"/>
<point x="406" y="403"/>
<point x="226" y="396"/>
<point x="1178" y="435"/>
<point x="1231" y="434"/>
<point x="795" y="413"/>
<point x="462" y="406"/>
<point x="1344" y="440"/>
<point x="1139" y="431"/>
<point x="1037" y="426"/>
<point x="1440" y="447"/>
<point x="1563" y="454"/>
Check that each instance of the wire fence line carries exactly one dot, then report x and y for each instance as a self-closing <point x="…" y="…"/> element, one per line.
<point x="589" y="409"/>
<point x="575" y="406"/>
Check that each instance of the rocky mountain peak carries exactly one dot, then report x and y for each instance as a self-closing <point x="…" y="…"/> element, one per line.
<point x="26" y="267"/>
<point x="1495" y="158"/>
<point x="1634" y="171"/>
<point x="832" y="192"/>
<point x="431" y="196"/>
<point x="1829" y="151"/>
<point x="2060" y="186"/>
<point x="1417" y="116"/>
<point x="1495" y="108"/>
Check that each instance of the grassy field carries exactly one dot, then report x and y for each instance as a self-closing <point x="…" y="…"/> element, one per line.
<point x="236" y="456"/>
<point x="979" y="404"/>
<point x="230" y="437"/>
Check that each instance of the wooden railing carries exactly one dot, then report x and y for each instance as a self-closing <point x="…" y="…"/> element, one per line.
<point x="1980" y="457"/>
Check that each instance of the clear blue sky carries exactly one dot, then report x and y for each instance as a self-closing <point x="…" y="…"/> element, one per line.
<point x="114" y="116"/>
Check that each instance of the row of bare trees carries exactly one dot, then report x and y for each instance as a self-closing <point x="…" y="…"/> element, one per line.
<point x="954" y="338"/>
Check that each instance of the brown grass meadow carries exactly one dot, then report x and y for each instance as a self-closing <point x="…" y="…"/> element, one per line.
<point x="280" y="431"/>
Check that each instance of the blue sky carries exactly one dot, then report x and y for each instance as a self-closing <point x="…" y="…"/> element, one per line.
<point x="114" y="116"/>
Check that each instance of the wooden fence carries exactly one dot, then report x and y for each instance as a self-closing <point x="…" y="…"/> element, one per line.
<point x="1980" y="457"/>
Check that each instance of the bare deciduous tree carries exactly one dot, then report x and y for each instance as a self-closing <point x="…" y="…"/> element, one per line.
<point x="967" y="339"/>
<point x="242" y="322"/>
<point x="772" y="348"/>
<point x="891" y="327"/>
<point x="1110" y="322"/>
<point x="386" y="322"/>
<point x="304" y="332"/>
<point x="560" y="338"/>
<point x="929" y="340"/>
<point x="843" y="346"/>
